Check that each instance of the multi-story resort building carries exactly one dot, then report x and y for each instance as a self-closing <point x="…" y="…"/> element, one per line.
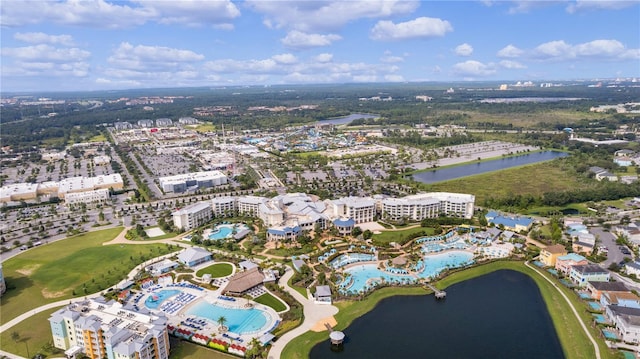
<point x="290" y="214"/>
<point x="193" y="216"/>
<point x="360" y="209"/>
<point x="62" y="189"/>
<point x="100" y="329"/>
<point x="428" y="205"/>
<point x="96" y="196"/>
<point x="182" y="182"/>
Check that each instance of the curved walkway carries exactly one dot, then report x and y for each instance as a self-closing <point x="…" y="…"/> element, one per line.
<point x="596" y="348"/>
<point x="313" y="313"/>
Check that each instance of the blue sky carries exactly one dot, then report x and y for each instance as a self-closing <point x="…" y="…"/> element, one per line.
<point x="101" y="44"/>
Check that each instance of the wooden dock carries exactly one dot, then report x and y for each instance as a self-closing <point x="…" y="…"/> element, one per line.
<point x="440" y="294"/>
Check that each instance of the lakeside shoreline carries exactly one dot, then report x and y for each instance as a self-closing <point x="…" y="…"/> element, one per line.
<point x="301" y="346"/>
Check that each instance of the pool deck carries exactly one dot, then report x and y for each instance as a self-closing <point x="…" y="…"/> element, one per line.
<point x="211" y="329"/>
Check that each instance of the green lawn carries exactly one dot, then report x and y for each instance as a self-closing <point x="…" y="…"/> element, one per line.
<point x="301" y="290"/>
<point x="217" y="270"/>
<point x="534" y="179"/>
<point x="573" y="339"/>
<point x="400" y="236"/>
<point x="58" y="270"/>
<point x="271" y="301"/>
<point x="35" y="334"/>
<point x="187" y="350"/>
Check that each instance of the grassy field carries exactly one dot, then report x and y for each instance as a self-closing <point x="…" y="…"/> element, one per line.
<point x="271" y="301"/>
<point x="205" y="127"/>
<point x="58" y="270"/>
<point x="399" y="236"/>
<point x="35" y="334"/>
<point x="97" y="138"/>
<point x="574" y="342"/>
<point x="531" y="119"/>
<point x="187" y="350"/>
<point x="534" y="179"/>
<point x="217" y="270"/>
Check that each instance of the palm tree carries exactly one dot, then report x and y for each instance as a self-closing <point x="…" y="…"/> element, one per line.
<point x="222" y="320"/>
<point x="15" y="336"/>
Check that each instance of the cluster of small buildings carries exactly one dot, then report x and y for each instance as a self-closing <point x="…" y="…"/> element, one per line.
<point x="288" y="215"/>
<point x="72" y="190"/>
<point x="183" y="182"/>
<point x="573" y="266"/>
<point x="508" y="222"/>
<point x="621" y="305"/>
<point x="99" y="329"/>
<point x="582" y="241"/>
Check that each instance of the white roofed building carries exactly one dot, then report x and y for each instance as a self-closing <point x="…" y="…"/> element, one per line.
<point x="96" y="196"/>
<point x="101" y="329"/>
<point x="182" y="182"/>
<point x="193" y="216"/>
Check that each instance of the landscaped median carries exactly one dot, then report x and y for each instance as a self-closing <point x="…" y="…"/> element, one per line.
<point x="68" y="268"/>
<point x="574" y="341"/>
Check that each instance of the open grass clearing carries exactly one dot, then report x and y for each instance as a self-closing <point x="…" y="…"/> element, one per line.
<point x="35" y="334"/>
<point x="574" y="342"/>
<point x="181" y="349"/>
<point x="217" y="270"/>
<point x="400" y="236"/>
<point x="271" y="301"/>
<point x="57" y="270"/>
<point x="534" y="179"/>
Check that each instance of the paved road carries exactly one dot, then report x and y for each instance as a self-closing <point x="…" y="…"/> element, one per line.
<point x="575" y="312"/>
<point x="608" y="240"/>
<point x="313" y="313"/>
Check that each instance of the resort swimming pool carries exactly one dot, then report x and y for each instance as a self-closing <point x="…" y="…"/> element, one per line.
<point x="223" y="231"/>
<point x="362" y="277"/>
<point x="348" y="258"/>
<point x="239" y="321"/>
<point x="155" y="299"/>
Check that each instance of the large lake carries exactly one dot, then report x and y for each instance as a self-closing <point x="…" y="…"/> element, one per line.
<point x="449" y="173"/>
<point x="498" y="315"/>
<point x="347" y="119"/>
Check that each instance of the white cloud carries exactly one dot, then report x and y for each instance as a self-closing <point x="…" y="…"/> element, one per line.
<point x="324" y="57"/>
<point x="316" y="69"/>
<point x="422" y="27"/>
<point x="45" y="53"/>
<point x="95" y="13"/>
<point x="151" y="58"/>
<point x="552" y="49"/>
<point x="389" y="58"/>
<point x="581" y="5"/>
<point x="511" y="65"/>
<point x="524" y="6"/>
<point x="606" y="49"/>
<point x="510" y="51"/>
<point x="298" y="39"/>
<point x="464" y="50"/>
<point x="285" y="59"/>
<point x="42" y="38"/>
<point x="473" y="68"/>
<point x="193" y="12"/>
<point x="323" y="16"/>
<point x="118" y="15"/>
<point x="394" y="78"/>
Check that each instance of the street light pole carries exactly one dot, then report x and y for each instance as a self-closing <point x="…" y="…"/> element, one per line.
<point x="27" y="345"/>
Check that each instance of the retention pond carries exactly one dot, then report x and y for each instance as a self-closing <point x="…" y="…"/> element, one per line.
<point x="498" y="315"/>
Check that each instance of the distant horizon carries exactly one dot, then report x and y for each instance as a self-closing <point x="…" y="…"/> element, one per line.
<point x="460" y="83"/>
<point x="99" y="45"/>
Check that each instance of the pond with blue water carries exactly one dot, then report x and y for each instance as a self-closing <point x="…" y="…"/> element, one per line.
<point x="449" y="173"/>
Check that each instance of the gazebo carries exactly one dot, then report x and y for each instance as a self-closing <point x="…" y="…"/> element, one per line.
<point x="399" y="261"/>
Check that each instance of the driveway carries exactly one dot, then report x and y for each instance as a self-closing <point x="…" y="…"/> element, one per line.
<point x="608" y="240"/>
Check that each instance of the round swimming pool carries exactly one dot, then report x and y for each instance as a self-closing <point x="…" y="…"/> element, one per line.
<point x="156" y="298"/>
